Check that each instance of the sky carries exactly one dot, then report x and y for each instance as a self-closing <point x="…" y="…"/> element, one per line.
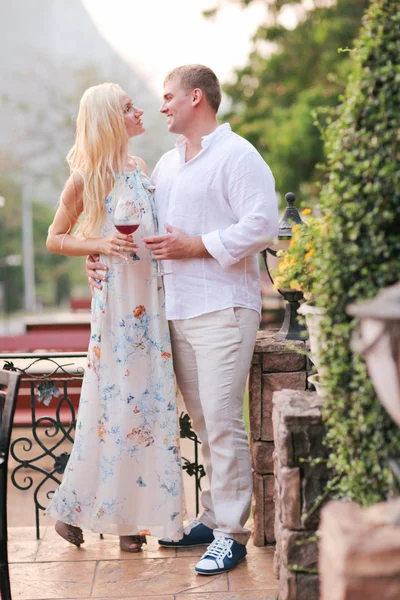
<point x="155" y="36"/>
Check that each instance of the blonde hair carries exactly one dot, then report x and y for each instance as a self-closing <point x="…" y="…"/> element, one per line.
<point x="100" y="142"/>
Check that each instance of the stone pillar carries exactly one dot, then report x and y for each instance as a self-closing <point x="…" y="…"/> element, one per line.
<point x="360" y="551"/>
<point x="301" y="476"/>
<point x="275" y="366"/>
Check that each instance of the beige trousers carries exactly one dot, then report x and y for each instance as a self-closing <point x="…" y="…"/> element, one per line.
<point x="212" y="355"/>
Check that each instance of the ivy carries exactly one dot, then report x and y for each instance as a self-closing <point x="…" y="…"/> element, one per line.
<point x="361" y="252"/>
<point x="300" y="569"/>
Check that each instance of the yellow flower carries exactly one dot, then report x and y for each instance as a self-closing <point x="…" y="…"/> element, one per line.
<point x="295" y="228"/>
<point x="306" y="211"/>
<point x="294" y="285"/>
<point x="309" y="254"/>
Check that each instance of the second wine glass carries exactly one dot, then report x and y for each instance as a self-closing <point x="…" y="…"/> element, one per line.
<point x="160" y="266"/>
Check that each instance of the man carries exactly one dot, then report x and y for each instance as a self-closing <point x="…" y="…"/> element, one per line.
<point x="215" y="197"/>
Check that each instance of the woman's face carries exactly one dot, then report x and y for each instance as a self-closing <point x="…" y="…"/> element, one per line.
<point x="132" y="117"/>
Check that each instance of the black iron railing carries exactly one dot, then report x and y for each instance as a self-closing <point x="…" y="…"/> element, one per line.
<point x="50" y="380"/>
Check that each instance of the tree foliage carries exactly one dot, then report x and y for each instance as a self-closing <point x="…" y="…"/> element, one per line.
<point x="274" y="95"/>
<point x="11" y="276"/>
<point x="361" y="251"/>
<point x="55" y="275"/>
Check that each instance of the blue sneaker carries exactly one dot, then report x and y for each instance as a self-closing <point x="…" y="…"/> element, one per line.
<point x="195" y="534"/>
<point x="221" y="556"/>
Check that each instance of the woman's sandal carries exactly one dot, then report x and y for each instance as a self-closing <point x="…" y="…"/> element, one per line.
<point x="72" y="534"/>
<point x="127" y="541"/>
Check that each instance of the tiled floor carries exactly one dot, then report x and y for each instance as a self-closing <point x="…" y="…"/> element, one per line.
<point x="52" y="569"/>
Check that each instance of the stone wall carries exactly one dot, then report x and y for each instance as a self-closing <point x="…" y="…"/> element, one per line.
<point x="286" y="434"/>
<point x="300" y="481"/>
<point x="275" y="366"/>
<point x="360" y="551"/>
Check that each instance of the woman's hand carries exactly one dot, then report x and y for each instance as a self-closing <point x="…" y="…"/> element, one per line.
<point x="117" y="244"/>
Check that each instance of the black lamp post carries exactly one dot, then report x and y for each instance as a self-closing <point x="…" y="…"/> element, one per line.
<point x="291" y="329"/>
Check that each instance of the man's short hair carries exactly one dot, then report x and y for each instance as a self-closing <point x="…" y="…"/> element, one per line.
<point x="199" y="76"/>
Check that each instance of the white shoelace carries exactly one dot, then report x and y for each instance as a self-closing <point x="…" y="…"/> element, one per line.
<point x="188" y="528"/>
<point x="220" y="548"/>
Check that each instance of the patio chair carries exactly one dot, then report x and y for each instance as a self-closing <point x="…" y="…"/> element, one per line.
<point x="9" y="384"/>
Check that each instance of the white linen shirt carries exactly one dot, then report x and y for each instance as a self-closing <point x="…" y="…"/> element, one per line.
<point x="226" y="195"/>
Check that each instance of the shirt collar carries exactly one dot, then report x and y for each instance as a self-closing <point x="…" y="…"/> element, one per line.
<point x="206" y="140"/>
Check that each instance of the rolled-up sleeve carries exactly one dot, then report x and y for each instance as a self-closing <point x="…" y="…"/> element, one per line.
<point x="252" y="198"/>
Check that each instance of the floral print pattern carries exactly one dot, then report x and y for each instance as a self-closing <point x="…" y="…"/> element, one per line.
<point x="124" y="474"/>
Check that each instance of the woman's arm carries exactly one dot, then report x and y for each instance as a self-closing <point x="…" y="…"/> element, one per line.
<point x="60" y="239"/>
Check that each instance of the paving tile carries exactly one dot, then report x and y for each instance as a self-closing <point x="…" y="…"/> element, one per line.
<point x="22" y="551"/>
<point x="254" y="573"/>
<point x="25" y="533"/>
<point x="52" y="569"/>
<point x="246" y="595"/>
<point x="54" y="549"/>
<point x="42" y="581"/>
<point x="149" y="577"/>
<point x="264" y="550"/>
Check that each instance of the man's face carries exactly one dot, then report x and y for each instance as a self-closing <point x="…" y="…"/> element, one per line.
<point x="177" y="106"/>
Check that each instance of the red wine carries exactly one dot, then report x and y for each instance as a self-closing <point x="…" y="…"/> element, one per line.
<point x="126" y="228"/>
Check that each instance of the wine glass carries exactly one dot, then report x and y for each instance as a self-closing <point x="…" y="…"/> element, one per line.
<point x="160" y="269"/>
<point x="128" y="213"/>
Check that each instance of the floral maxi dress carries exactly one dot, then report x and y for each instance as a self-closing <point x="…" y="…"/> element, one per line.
<point x="124" y="474"/>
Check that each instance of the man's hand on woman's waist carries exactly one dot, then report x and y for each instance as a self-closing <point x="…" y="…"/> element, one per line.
<point x="94" y="271"/>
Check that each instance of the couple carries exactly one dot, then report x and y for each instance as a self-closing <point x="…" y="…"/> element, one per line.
<point x="215" y="197"/>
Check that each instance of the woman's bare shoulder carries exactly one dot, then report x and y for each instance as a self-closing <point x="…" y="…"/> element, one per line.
<point x="140" y="162"/>
<point x="77" y="180"/>
<point x="73" y="189"/>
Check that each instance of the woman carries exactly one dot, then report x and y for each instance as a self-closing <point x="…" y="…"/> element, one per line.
<point x="124" y="474"/>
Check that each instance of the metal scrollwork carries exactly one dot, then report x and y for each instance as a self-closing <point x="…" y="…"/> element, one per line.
<point x="46" y="391"/>
<point x="61" y="462"/>
<point x="46" y="453"/>
<point x="193" y="469"/>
